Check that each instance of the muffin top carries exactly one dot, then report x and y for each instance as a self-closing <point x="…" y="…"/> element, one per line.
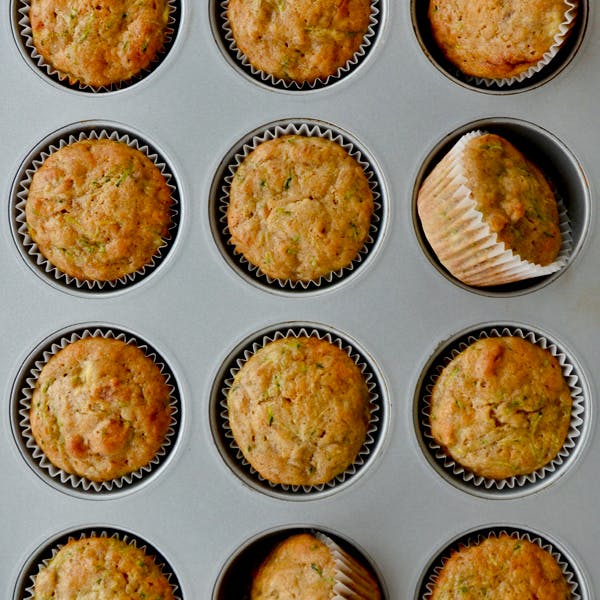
<point x="98" y="42"/>
<point x="300" y="41"/>
<point x="100" y="409"/>
<point x="501" y="407"/>
<point x="299" y="208"/>
<point x="98" y="209"/>
<point x="499" y="568"/>
<point x="301" y="566"/>
<point x="299" y="411"/>
<point x="493" y="39"/>
<point x="101" y="568"/>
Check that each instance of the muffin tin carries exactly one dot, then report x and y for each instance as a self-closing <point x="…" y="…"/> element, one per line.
<point x="398" y="308"/>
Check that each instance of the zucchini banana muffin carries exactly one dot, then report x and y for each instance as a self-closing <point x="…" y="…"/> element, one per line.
<point x="101" y="568"/>
<point x="305" y="568"/>
<point x="100" y="409"/>
<point x="98" y="209"/>
<point x="98" y="42"/>
<point x="300" y="208"/>
<point x="501" y="407"/>
<point x="501" y="568"/>
<point x="299" y="41"/>
<point x="489" y="214"/>
<point x="299" y="411"/>
<point x="496" y="39"/>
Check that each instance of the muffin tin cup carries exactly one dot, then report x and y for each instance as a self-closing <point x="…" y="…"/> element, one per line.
<point x="572" y="573"/>
<point x="28" y="248"/>
<point x="220" y="415"/>
<point x="23" y="35"/>
<point x="24" y="589"/>
<point x="21" y="404"/>
<point x="519" y="485"/>
<point x="224" y="36"/>
<point x="219" y="203"/>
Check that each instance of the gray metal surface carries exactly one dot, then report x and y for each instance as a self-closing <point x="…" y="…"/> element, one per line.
<point x="195" y="309"/>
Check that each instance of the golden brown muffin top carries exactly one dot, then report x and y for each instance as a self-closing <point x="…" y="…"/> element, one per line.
<point x="501" y="568"/>
<point x="299" y="411"/>
<point x="495" y="39"/>
<point x="514" y="197"/>
<point x="98" y="42"/>
<point x="299" y="567"/>
<point x="299" y="208"/>
<point x="501" y="407"/>
<point x="98" y="209"/>
<point x="100" y="409"/>
<point x="299" y="40"/>
<point x="101" y="568"/>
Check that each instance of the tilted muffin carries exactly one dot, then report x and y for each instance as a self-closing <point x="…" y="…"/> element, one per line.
<point x="299" y="208"/>
<point x="305" y="567"/>
<point x="98" y="209"/>
<point x="299" y="411"/>
<point x="501" y="568"/>
<point x="98" y="42"/>
<point x="100" y="409"/>
<point x="299" y="41"/>
<point x="501" y="407"/>
<point x="101" y="568"/>
<point x="497" y="39"/>
<point x="489" y="214"/>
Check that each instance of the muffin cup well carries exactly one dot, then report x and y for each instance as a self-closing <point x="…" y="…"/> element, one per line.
<point x="220" y="415"/>
<point x="46" y="552"/>
<point x="512" y="486"/>
<point x="23" y="35"/>
<point x="219" y="202"/>
<point x="28" y="248"/>
<point x="35" y="457"/>
<point x="224" y="36"/>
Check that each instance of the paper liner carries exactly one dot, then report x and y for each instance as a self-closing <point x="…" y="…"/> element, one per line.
<point x="30" y="248"/>
<point x="352" y="580"/>
<point x="23" y="29"/>
<point x="52" y="549"/>
<point x="307" y="129"/>
<point x="77" y="482"/>
<point x="241" y="60"/>
<point x="374" y="405"/>
<point x="562" y="459"/>
<point x="476" y="537"/>
<point x="460" y="238"/>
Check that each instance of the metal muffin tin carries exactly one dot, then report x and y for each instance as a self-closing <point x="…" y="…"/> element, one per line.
<point x="399" y="308"/>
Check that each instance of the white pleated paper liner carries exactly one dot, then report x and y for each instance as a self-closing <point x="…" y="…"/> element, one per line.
<point x="37" y="460"/>
<point x="221" y="202"/>
<point x="516" y="485"/>
<point x="229" y="448"/>
<point x="24" y="589"/>
<point x="225" y="36"/>
<point x="460" y="238"/>
<point x="566" y="563"/>
<point x="22" y="30"/>
<point x="34" y="161"/>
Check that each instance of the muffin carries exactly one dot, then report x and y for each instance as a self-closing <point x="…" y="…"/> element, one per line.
<point x="499" y="40"/>
<point x="299" y="41"/>
<point x="101" y="568"/>
<point x="100" y="409"/>
<point x="98" y="209"/>
<point x="305" y="566"/>
<point x="489" y="214"/>
<point x="299" y="411"/>
<point x="300" y="208"/>
<point x="501" y="407"/>
<point x="499" y="568"/>
<point x="98" y="42"/>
